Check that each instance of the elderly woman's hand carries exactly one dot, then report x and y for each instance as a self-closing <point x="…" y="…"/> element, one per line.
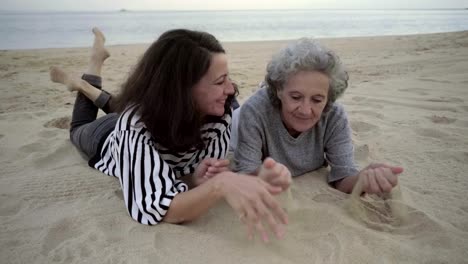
<point x="378" y="178"/>
<point x="275" y="173"/>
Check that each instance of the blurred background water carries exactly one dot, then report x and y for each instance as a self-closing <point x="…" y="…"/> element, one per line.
<point x="26" y="30"/>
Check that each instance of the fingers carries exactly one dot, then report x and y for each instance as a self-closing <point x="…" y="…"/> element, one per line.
<point x="391" y="177"/>
<point x="382" y="181"/>
<point x="252" y="198"/>
<point x="275" y="173"/>
<point x="261" y="209"/>
<point x="215" y="166"/>
<point x="274" y="190"/>
<point x="249" y="218"/>
<point x="395" y="170"/>
<point x="267" y="209"/>
<point x="216" y="162"/>
<point x="216" y="170"/>
<point x="221" y="163"/>
<point x="378" y="180"/>
<point x="265" y="215"/>
<point x="269" y="163"/>
<point x="283" y="180"/>
<point x="378" y="165"/>
<point x="373" y="186"/>
<point x="276" y="209"/>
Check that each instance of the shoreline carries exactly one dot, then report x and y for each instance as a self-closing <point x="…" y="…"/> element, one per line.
<point x="244" y="42"/>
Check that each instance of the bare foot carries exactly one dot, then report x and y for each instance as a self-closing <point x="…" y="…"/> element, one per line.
<point x="98" y="53"/>
<point x="57" y="75"/>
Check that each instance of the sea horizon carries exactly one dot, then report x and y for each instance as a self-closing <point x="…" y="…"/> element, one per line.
<point x="217" y="10"/>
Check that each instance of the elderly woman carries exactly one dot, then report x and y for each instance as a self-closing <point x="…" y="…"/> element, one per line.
<point x="295" y="120"/>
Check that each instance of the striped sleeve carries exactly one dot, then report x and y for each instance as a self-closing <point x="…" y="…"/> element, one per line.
<point x="216" y="136"/>
<point x="148" y="183"/>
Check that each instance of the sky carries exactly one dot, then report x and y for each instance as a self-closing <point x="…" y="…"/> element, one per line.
<point x="110" y="5"/>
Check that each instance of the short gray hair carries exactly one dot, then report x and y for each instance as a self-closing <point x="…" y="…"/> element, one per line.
<point x="305" y="55"/>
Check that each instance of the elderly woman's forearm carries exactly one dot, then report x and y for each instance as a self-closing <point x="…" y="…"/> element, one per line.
<point x="346" y="185"/>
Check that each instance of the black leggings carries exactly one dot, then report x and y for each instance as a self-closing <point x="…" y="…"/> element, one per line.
<point x="86" y="132"/>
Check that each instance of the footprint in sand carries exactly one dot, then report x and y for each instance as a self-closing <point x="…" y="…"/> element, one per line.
<point x="118" y="193"/>
<point x="464" y="107"/>
<point x="368" y="113"/>
<point x="314" y="224"/>
<point x="41" y="113"/>
<point x="33" y="147"/>
<point x="363" y="127"/>
<point x="445" y="100"/>
<point x="47" y="134"/>
<point x="361" y="152"/>
<point x="358" y="98"/>
<point x="418" y="91"/>
<point x="62" y="123"/>
<point x="60" y="232"/>
<point x="433" y="80"/>
<point x="64" y="241"/>
<point x="10" y="205"/>
<point x="422" y="49"/>
<point x="441" y="119"/>
<point x="58" y="155"/>
<point x="26" y="116"/>
<point x="429" y="132"/>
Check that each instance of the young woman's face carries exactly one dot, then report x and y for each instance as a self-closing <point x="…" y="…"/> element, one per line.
<point x="211" y="92"/>
<point x="303" y="99"/>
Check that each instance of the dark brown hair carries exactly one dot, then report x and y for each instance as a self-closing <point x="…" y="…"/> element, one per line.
<point x="160" y="86"/>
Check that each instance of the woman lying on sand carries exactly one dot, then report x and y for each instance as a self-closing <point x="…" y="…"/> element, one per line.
<point x="170" y="128"/>
<point x="295" y="120"/>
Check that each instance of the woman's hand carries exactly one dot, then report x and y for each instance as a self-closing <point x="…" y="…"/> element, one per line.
<point x="253" y="201"/>
<point x="275" y="173"/>
<point x="378" y="178"/>
<point x="208" y="168"/>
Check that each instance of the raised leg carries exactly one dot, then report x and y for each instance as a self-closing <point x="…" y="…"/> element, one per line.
<point x="98" y="54"/>
<point x="85" y="131"/>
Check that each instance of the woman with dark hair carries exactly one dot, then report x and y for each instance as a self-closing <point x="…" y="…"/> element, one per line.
<point x="168" y="129"/>
<point x="294" y="118"/>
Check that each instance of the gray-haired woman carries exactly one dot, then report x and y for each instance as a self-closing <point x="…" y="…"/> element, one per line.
<point x="295" y="120"/>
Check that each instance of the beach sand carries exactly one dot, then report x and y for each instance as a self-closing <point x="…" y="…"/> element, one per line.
<point x="408" y="105"/>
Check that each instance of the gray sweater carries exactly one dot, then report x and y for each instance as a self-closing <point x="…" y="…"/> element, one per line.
<point x="261" y="133"/>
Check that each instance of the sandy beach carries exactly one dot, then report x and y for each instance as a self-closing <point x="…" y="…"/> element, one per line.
<point x="408" y="105"/>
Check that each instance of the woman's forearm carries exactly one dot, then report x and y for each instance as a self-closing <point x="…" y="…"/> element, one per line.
<point x="346" y="185"/>
<point x="189" y="205"/>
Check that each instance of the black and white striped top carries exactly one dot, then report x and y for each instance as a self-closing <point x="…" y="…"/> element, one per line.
<point x="150" y="174"/>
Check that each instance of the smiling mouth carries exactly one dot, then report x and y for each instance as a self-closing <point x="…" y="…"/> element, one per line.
<point x="303" y="118"/>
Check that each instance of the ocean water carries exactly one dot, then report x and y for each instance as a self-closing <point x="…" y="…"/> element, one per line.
<point x="26" y="30"/>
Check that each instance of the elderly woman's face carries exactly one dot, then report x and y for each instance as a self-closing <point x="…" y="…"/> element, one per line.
<point x="303" y="99"/>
